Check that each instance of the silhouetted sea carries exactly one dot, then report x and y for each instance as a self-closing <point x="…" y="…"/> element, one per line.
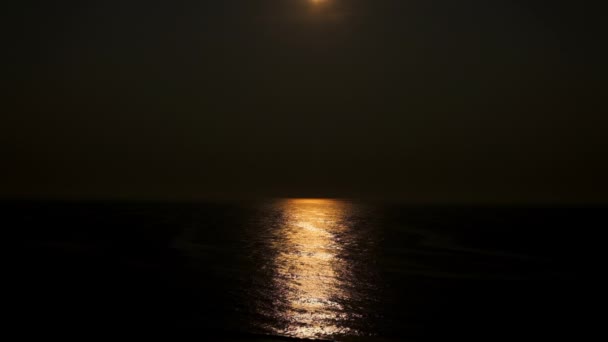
<point x="313" y="269"/>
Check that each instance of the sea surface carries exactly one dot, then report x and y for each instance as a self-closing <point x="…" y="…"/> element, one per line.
<point x="324" y="269"/>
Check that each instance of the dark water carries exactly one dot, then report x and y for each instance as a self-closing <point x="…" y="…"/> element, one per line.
<point x="319" y="269"/>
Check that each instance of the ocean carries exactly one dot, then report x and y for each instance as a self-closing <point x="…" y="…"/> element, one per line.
<point x="325" y="269"/>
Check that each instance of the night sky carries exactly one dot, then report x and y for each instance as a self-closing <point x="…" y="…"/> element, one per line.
<point x="416" y="100"/>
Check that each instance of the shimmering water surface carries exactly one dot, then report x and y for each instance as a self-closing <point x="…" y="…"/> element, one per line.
<point x="305" y="268"/>
<point x="301" y="267"/>
<point x="312" y="271"/>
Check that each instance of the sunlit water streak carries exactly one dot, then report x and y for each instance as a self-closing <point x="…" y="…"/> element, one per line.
<point x="310" y="270"/>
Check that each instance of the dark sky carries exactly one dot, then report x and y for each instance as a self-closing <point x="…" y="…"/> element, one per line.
<point x="419" y="100"/>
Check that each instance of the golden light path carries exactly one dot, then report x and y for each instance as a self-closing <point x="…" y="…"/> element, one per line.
<point x="309" y="271"/>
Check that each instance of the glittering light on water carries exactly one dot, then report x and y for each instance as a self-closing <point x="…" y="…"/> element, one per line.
<point x="310" y="273"/>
